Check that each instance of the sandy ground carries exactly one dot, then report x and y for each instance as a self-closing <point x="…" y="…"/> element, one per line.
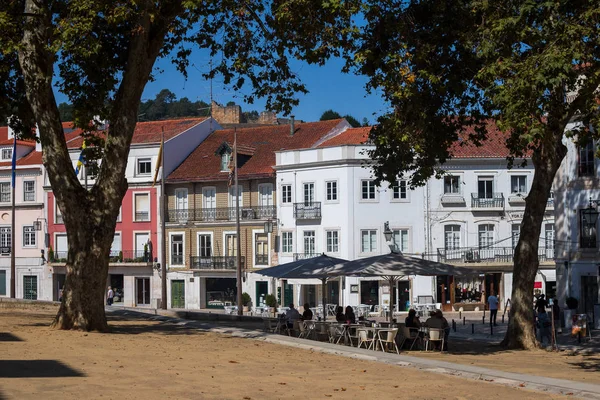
<point x="154" y="360"/>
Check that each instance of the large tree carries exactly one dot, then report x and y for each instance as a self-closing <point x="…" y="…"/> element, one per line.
<point x="101" y="54"/>
<point x="450" y="67"/>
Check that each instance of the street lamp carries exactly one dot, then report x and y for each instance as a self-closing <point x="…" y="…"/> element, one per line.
<point x="389" y="237"/>
<point x="268" y="226"/>
<point x="589" y="218"/>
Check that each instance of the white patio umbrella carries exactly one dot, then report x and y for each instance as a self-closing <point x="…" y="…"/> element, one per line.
<point x="393" y="266"/>
<point x="317" y="267"/>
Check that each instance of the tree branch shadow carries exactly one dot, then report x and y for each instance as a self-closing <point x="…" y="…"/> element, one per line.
<point x="9" y="337"/>
<point x="36" y="369"/>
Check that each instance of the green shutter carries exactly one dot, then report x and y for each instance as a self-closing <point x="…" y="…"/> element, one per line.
<point x="2" y="283"/>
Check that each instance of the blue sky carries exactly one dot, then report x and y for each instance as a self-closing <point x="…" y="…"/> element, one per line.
<point x="328" y="88"/>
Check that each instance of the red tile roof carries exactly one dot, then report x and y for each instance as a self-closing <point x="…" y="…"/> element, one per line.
<point x="493" y="147"/>
<point x="203" y="164"/>
<point x="348" y="137"/>
<point x="148" y="132"/>
<point x="5" y="141"/>
<point x="33" y="158"/>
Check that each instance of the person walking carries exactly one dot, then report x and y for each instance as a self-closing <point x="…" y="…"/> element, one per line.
<point x="493" y="304"/>
<point x="109" y="296"/>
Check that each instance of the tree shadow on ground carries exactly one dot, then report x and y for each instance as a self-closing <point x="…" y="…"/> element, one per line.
<point x="9" y="337"/>
<point x="591" y="364"/>
<point x="36" y="369"/>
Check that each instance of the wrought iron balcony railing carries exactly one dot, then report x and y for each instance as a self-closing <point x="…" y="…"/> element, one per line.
<point x="215" y="263"/>
<point x="115" y="256"/>
<point x="221" y="214"/>
<point x="304" y="256"/>
<point x="307" y="210"/>
<point x="487" y="254"/>
<point x="497" y="201"/>
<point x="261" y="259"/>
<point x="142" y="216"/>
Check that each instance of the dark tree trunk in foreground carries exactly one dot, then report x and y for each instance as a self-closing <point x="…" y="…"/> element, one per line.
<point x="546" y="160"/>
<point x="89" y="216"/>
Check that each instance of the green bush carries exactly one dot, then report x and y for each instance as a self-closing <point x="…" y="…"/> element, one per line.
<point x="246" y="299"/>
<point x="50" y="254"/>
<point x="271" y="300"/>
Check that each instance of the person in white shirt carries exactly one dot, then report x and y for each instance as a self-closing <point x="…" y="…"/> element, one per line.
<point x="493" y="303"/>
<point x="109" y="296"/>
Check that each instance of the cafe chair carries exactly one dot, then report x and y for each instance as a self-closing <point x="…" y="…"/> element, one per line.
<point x="387" y="337"/>
<point x="363" y="337"/>
<point x="434" y="335"/>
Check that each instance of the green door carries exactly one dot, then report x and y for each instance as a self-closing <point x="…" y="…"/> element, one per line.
<point x="177" y="294"/>
<point x="262" y="289"/>
<point x="288" y="294"/>
<point x="30" y="287"/>
<point x="2" y="283"/>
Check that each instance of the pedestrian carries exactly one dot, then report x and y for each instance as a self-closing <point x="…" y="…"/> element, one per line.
<point x="556" y="315"/>
<point x="541" y="304"/>
<point x="60" y="294"/>
<point x="109" y="296"/>
<point x="493" y="304"/>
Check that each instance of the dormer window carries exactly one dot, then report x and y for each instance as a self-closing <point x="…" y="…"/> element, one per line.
<point x="7" y="154"/>
<point x="225" y="158"/>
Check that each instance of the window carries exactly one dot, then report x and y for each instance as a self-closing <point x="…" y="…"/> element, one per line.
<point x="333" y="241"/>
<point x="233" y="199"/>
<point x="119" y="216"/>
<point x="115" y="247"/>
<point x="58" y="218"/>
<point x="29" y="236"/>
<point x="515" y="233"/>
<point x="309" y="193"/>
<point x="176" y="249"/>
<point x="549" y="236"/>
<point x="286" y="194"/>
<point x="451" y="184"/>
<point x="230" y="245"/>
<point x="400" y="190"/>
<point x="309" y="242"/>
<point x="452" y="237"/>
<point x="7" y="154"/>
<point x="368" y="190"/>
<point x="588" y="232"/>
<point x="485" y="187"/>
<point x="331" y="190"/>
<point x="5" y="192"/>
<point x="401" y="239"/>
<point x="486" y="235"/>
<point x="368" y="243"/>
<point x="518" y="184"/>
<point x="287" y="243"/>
<point x="144" y="166"/>
<point x="5" y="237"/>
<point x="265" y="195"/>
<point x="29" y="191"/>
<point x="261" y="253"/>
<point x="225" y="158"/>
<point x="204" y="245"/>
<point x="142" y="207"/>
<point x="30" y="287"/>
<point x="586" y="160"/>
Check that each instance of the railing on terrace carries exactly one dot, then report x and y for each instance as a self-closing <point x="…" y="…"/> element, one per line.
<point x="550" y="203"/>
<point x="304" y="256"/>
<point x="307" y="210"/>
<point x="497" y="201"/>
<point x="115" y="256"/>
<point x="141" y="216"/>
<point x="487" y="254"/>
<point x="215" y="263"/>
<point x="221" y="214"/>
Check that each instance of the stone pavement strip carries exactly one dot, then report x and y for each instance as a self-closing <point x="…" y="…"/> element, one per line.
<point x="517" y="380"/>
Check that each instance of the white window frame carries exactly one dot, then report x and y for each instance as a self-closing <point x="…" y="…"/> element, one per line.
<point x="7" y="153"/>
<point x="135" y="194"/>
<point x="25" y="192"/>
<point x="514" y="238"/>
<point x="336" y="194"/>
<point x="224" y="246"/>
<point x="144" y="160"/>
<point x="258" y="232"/>
<point x="231" y="196"/>
<point x="30" y="234"/>
<point x="314" y="197"/>
<point x="314" y="237"/>
<point x="57" y="214"/>
<point x="171" y="234"/>
<point x="212" y="243"/>
<point x="120" y="217"/>
<point x="408" y="238"/>
<point x="453" y="239"/>
<point x="225" y="155"/>
<point x="291" y="243"/>
<point x="336" y="249"/>
<point x="370" y="185"/>
<point x="283" y="193"/>
<point x="6" y="230"/>
<point x="518" y="177"/>
<point x="3" y="192"/>
<point x="398" y="186"/>
<point x="371" y="232"/>
<point x="452" y="193"/>
<point x="260" y="187"/>
<point x="491" y="238"/>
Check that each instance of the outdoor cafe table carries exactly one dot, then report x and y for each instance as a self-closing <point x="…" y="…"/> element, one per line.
<point x="346" y="329"/>
<point x="375" y="331"/>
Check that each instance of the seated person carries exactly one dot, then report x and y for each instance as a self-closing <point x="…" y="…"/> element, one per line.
<point x="339" y="314"/>
<point x="307" y="315"/>
<point x="350" y="315"/>
<point x="292" y="315"/>
<point x="412" y="321"/>
<point x="437" y="321"/>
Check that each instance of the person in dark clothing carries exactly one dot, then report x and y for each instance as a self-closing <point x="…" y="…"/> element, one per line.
<point x="541" y="304"/>
<point x="556" y="315"/>
<point x="412" y="321"/>
<point x="307" y="315"/>
<point x="350" y="315"/>
<point x="339" y="314"/>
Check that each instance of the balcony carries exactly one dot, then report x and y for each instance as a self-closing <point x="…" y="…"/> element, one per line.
<point x="115" y="256"/>
<point x="261" y="259"/>
<point x="221" y="214"/>
<point x="486" y="203"/>
<point x="304" y="256"/>
<point x="487" y="255"/>
<point x="224" y="263"/>
<point x="307" y="210"/>
<point x="550" y="204"/>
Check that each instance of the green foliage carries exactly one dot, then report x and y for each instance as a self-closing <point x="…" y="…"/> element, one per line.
<point x="250" y="116"/>
<point x="329" y="115"/>
<point x="352" y="121"/>
<point x="246" y="299"/>
<point x="271" y="300"/>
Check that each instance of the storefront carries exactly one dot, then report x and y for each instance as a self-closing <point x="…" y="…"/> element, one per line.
<point x="220" y="292"/>
<point x="467" y="293"/>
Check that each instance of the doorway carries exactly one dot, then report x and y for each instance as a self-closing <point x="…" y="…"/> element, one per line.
<point x="178" y="294"/>
<point x="369" y="292"/>
<point x="403" y="294"/>
<point x="262" y="289"/>
<point x="220" y="292"/>
<point x="30" y="290"/>
<point x="309" y="294"/>
<point x="333" y="292"/>
<point x="288" y="294"/>
<point x="142" y="291"/>
<point x="59" y="285"/>
<point x="589" y="294"/>
<point x="116" y="283"/>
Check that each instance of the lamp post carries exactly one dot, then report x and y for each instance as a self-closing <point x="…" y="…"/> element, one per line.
<point x="389" y="237"/>
<point x="589" y="218"/>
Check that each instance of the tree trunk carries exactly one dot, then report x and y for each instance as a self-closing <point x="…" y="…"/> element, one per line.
<point x="546" y="160"/>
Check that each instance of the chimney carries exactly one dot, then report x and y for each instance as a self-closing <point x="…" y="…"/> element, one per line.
<point x="292" y="126"/>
